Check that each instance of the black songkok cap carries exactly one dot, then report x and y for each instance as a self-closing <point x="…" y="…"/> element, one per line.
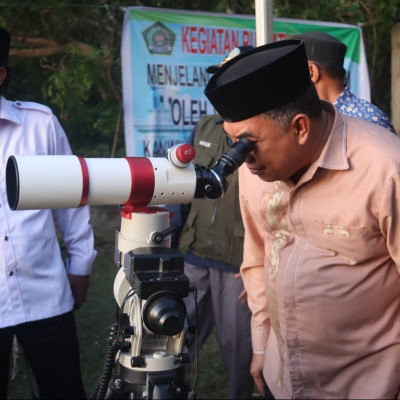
<point x="259" y="80"/>
<point x="323" y="48"/>
<point x="4" y="47"/>
<point x="237" y="51"/>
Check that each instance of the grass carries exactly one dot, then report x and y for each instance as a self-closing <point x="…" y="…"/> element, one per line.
<point x="96" y="317"/>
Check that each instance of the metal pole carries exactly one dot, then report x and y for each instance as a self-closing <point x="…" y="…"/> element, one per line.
<point x="395" y="85"/>
<point x="264" y="22"/>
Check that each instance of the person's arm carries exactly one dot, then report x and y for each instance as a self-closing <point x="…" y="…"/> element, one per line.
<point x="252" y="271"/>
<point x="389" y="217"/>
<point x="253" y="279"/>
<point x="79" y="287"/>
<point x="78" y="238"/>
<point x="76" y="231"/>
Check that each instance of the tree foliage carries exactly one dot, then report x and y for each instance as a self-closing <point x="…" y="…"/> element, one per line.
<point x="66" y="54"/>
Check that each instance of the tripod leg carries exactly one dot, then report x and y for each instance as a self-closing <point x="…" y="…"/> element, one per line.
<point x="163" y="391"/>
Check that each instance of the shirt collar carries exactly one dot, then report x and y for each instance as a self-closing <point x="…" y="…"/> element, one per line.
<point x="334" y="153"/>
<point x="8" y="111"/>
<point x="345" y="94"/>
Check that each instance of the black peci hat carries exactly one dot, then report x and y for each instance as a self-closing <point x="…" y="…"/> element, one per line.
<point x="4" y="47"/>
<point x="323" y="48"/>
<point x="259" y="80"/>
<point x="237" y="51"/>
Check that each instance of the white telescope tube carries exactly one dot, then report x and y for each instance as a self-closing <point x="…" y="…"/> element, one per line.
<point x="61" y="181"/>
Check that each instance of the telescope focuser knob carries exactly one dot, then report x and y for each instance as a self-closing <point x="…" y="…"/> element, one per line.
<point x="129" y="331"/>
<point x="138" y="361"/>
<point x="185" y="153"/>
<point x="158" y="237"/>
<point x="182" y="358"/>
<point x="124" y="346"/>
<point x="181" y="155"/>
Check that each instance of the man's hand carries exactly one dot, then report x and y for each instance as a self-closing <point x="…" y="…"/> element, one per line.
<point x="243" y="294"/>
<point x="256" y="371"/>
<point x="79" y="286"/>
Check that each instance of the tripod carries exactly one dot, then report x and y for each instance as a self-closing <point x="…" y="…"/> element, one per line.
<point x="146" y="356"/>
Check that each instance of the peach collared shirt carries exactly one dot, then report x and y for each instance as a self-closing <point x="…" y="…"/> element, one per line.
<point x="326" y="302"/>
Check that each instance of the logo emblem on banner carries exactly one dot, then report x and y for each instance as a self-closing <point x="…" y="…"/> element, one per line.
<point x="159" y="39"/>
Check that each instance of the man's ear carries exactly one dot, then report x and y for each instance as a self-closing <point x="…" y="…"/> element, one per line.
<point x="3" y="74"/>
<point x="315" y="73"/>
<point x="300" y="126"/>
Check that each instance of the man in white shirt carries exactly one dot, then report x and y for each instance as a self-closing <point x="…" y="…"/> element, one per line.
<point x="37" y="293"/>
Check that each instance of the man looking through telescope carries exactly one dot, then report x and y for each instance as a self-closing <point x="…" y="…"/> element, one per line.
<point x="324" y="318"/>
<point x="37" y="294"/>
<point x="325" y="56"/>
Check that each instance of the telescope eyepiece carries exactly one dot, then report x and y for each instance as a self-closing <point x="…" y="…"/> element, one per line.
<point x="233" y="158"/>
<point x="213" y="183"/>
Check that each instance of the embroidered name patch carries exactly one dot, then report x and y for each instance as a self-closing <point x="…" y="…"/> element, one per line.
<point x="205" y="144"/>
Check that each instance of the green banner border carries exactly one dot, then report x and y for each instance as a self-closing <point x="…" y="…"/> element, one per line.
<point x="349" y="34"/>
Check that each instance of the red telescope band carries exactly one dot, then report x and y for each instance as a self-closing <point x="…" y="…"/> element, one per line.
<point x="142" y="180"/>
<point x="85" y="181"/>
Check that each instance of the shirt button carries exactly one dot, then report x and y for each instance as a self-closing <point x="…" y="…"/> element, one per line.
<point x="6" y="238"/>
<point x="11" y="273"/>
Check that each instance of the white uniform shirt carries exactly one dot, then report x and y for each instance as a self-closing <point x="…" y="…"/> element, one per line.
<point x="33" y="280"/>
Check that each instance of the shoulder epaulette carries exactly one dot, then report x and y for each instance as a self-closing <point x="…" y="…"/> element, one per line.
<point x="30" y="105"/>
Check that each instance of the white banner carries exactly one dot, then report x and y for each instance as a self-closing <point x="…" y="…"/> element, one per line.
<point x="165" y="54"/>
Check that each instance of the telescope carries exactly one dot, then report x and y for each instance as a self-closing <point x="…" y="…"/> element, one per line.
<point x="146" y="356"/>
<point x="69" y="181"/>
